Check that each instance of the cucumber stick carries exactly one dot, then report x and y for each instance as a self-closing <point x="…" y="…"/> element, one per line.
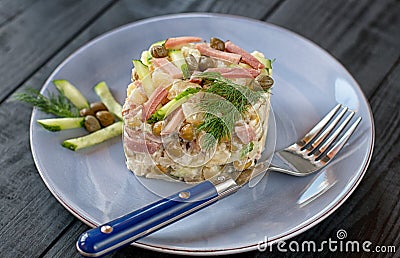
<point x="265" y="61"/>
<point x="95" y="137"/>
<point x="177" y="58"/>
<point x="144" y="76"/>
<point x="71" y="93"/>
<point x="64" y="123"/>
<point x="145" y="57"/>
<point x="107" y="98"/>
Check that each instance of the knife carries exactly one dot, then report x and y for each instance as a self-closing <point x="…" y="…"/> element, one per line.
<point x="321" y="183"/>
<point x="124" y="230"/>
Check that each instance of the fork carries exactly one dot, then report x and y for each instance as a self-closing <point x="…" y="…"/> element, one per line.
<point x="319" y="146"/>
<point x="311" y="153"/>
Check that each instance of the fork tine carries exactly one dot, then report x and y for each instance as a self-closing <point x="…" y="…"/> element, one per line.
<point x="327" y="131"/>
<point x="341" y="142"/>
<point x="334" y="135"/>
<point x="318" y="127"/>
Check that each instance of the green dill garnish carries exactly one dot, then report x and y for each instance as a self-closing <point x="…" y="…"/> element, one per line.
<point x="221" y="113"/>
<point x="56" y="104"/>
<point x="219" y="119"/>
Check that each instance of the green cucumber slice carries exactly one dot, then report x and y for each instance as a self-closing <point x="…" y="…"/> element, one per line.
<point x="58" y="124"/>
<point x="144" y="76"/>
<point x="71" y="93"/>
<point x="107" y="98"/>
<point x="94" y="138"/>
<point x="177" y="58"/>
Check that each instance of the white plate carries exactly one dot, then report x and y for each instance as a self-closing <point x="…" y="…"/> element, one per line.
<point x="95" y="186"/>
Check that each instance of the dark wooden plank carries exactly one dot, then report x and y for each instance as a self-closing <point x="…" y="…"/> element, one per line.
<point x="372" y="213"/>
<point x="127" y="11"/>
<point x="28" y="206"/>
<point x="32" y="37"/>
<point x="360" y="35"/>
<point x="9" y="9"/>
<point x="22" y="192"/>
<point x="363" y="35"/>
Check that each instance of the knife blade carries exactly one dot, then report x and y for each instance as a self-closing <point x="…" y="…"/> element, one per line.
<point x="321" y="183"/>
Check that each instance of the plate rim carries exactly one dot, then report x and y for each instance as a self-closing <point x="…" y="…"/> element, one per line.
<point x="223" y="251"/>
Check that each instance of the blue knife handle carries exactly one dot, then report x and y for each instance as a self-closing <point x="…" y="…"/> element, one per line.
<point x="133" y="226"/>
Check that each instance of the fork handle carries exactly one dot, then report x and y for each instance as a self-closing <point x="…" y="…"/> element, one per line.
<point x="140" y="223"/>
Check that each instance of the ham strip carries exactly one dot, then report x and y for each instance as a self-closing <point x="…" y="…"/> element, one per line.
<point x="132" y="133"/>
<point x="206" y="50"/>
<point x="155" y="99"/>
<point x="246" y="56"/>
<point x="254" y="72"/>
<point x="176" y="118"/>
<point x="177" y="43"/>
<point x="137" y="141"/>
<point x="167" y="67"/>
<point x="245" y="133"/>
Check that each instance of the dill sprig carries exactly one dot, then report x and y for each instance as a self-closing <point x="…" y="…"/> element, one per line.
<point x="219" y="119"/>
<point x="56" y="104"/>
<point x="221" y="113"/>
<point x="240" y="96"/>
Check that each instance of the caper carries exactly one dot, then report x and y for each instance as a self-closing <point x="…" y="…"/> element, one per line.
<point x="105" y="118"/>
<point x="206" y="62"/>
<point x="191" y="63"/>
<point x="91" y="123"/>
<point x="157" y="128"/>
<point x="265" y="81"/>
<point x="97" y="106"/>
<point x="86" y="112"/>
<point x="217" y="44"/>
<point x="187" y="132"/>
<point x="158" y="51"/>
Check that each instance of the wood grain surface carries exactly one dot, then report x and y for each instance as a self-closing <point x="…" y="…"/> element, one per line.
<point x="36" y="36"/>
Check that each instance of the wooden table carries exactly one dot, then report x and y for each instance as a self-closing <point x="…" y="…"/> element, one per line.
<point x="36" y="35"/>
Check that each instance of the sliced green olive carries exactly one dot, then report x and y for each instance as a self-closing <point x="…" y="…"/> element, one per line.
<point x="91" y="124"/>
<point x="217" y="44"/>
<point x="192" y="63"/>
<point x="97" y="106"/>
<point x="86" y="112"/>
<point x="158" y="51"/>
<point x="206" y="62"/>
<point x="265" y="81"/>
<point x="105" y="118"/>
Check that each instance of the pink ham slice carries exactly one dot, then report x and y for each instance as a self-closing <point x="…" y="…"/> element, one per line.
<point x="206" y="50"/>
<point x="254" y="72"/>
<point x="245" y="133"/>
<point x="177" y="43"/>
<point x="176" y="118"/>
<point x="246" y="56"/>
<point x="155" y="99"/>
<point x="137" y="141"/>
<point x="167" y="67"/>
<point x="234" y="72"/>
